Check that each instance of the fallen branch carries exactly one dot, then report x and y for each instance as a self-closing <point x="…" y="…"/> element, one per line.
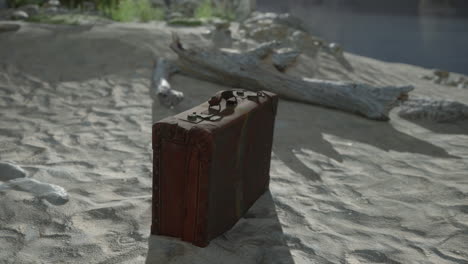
<point x="248" y="71"/>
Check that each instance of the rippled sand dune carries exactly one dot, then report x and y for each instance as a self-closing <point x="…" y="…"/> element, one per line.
<point x="75" y="112"/>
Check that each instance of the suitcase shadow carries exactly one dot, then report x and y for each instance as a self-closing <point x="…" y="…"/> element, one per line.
<point x="256" y="238"/>
<point x="292" y="136"/>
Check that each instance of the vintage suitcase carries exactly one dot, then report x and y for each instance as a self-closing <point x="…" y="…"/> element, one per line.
<point x="211" y="163"/>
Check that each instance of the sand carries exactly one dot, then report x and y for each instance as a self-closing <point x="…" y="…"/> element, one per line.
<point x="75" y="112"/>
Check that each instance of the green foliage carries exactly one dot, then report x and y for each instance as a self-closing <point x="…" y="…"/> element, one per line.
<point x="190" y="22"/>
<point x="66" y="19"/>
<point x="54" y="19"/>
<point x="147" y="13"/>
<point x="206" y="10"/>
<point x="130" y="10"/>
<point x="226" y="14"/>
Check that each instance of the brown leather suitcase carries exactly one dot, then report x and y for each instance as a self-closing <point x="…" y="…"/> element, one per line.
<point x="211" y="163"/>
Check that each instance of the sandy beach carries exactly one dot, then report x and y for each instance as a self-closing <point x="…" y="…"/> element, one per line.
<point x="75" y="112"/>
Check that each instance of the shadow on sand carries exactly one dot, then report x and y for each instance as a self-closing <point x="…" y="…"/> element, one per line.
<point x="256" y="238"/>
<point x="452" y="128"/>
<point x="65" y="53"/>
<point x="291" y="135"/>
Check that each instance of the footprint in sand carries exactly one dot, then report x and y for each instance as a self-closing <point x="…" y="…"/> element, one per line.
<point x="15" y="179"/>
<point x="10" y="242"/>
<point x="10" y="171"/>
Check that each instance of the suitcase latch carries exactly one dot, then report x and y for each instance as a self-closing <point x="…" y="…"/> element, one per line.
<point x="199" y="117"/>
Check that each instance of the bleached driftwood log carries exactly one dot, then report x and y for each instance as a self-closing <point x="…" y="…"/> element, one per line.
<point x="247" y="70"/>
<point x="284" y="58"/>
<point x="434" y="110"/>
<point x="160" y="87"/>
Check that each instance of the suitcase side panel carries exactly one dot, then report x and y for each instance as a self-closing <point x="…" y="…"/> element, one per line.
<point x="169" y="146"/>
<point x="201" y="141"/>
<point x="172" y="184"/>
<point x="225" y="182"/>
<point x="241" y="165"/>
<point x="182" y="157"/>
<point x="156" y="144"/>
<point x="257" y="156"/>
<point x="191" y="196"/>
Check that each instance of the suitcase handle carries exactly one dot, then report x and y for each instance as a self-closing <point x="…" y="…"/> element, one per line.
<point x="226" y="95"/>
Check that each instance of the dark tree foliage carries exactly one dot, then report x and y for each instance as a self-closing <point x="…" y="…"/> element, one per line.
<point x="18" y="3"/>
<point x="67" y="3"/>
<point x="77" y="3"/>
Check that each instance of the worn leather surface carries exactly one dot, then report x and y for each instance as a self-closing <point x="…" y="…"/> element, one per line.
<point x="207" y="174"/>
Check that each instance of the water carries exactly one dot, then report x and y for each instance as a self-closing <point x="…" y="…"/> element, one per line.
<point x="427" y="41"/>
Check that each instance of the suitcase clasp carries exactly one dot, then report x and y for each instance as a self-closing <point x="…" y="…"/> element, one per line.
<point x="192" y="116"/>
<point x="197" y="118"/>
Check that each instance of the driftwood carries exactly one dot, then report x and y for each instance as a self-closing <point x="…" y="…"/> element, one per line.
<point x="247" y="70"/>
<point x="160" y="87"/>
<point x="434" y="110"/>
<point x="284" y="58"/>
